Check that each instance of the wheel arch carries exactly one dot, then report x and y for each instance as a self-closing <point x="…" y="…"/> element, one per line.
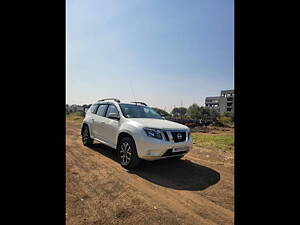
<point x="122" y="135"/>
<point x="84" y="125"/>
<point x="135" y="160"/>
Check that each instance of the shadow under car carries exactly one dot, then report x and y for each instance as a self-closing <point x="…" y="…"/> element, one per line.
<point x="179" y="174"/>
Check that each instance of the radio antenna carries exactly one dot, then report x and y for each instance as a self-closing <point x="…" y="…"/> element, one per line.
<point x="132" y="90"/>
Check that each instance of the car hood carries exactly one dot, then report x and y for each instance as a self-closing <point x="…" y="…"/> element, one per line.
<point x="158" y="123"/>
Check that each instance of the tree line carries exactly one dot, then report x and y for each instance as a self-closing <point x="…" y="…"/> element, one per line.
<point x="195" y="112"/>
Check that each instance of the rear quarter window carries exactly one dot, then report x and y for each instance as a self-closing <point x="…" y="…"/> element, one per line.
<point x="94" y="108"/>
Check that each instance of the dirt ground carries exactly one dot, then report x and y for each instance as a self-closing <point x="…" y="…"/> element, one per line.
<point x="195" y="190"/>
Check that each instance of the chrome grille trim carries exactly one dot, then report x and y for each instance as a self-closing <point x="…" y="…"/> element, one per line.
<point x="171" y="136"/>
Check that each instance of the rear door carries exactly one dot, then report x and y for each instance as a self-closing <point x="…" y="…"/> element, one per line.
<point x="111" y="126"/>
<point x="99" y="122"/>
<point x="90" y="115"/>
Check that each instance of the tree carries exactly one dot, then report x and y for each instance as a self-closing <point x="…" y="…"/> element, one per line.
<point x="205" y="114"/>
<point x="162" y="112"/>
<point x="179" y="112"/>
<point x="214" y="115"/>
<point x="209" y="115"/>
<point x="194" y="112"/>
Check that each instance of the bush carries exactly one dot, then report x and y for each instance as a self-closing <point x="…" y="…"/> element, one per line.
<point x="224" y="121"/>
<point x="230" y="115"/>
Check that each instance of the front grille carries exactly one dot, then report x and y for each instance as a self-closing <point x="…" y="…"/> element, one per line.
<point x="178" y="139"/>
<point x="170" y="152"/>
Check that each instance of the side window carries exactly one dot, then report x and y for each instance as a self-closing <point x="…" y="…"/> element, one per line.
<point x="111" y="109"/>
<point x="101" y="110"/>
<point x="94" y="108"/>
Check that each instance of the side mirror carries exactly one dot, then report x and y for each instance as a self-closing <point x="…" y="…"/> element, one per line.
<point x="113" y="116"/>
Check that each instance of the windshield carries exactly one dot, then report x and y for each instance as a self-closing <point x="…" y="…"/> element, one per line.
<point x="138" y="111"/>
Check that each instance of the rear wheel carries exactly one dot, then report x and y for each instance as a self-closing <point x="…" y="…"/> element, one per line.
<point x="127" y="154"/>
<point x="86" y="139"/>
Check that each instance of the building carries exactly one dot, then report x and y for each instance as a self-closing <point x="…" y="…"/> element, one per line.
<point x="223" y="103"/>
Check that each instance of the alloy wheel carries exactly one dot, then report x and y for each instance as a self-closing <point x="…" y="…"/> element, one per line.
<point x="125" y="153"/>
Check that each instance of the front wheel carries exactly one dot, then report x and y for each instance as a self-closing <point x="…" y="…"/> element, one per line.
<point x="127" y="154"/>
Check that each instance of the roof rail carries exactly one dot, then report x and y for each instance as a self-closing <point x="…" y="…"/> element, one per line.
<point x="142" y="103"/>
<point x="114" y="99"/>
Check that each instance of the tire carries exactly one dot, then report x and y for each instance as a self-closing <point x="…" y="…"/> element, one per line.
<point x="86" y="139"/>
<point x="130" y="160"/>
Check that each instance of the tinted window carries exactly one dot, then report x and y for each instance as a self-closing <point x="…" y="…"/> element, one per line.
<point x="101" y="110"/>
<point x="138" y="111"/>
<point x="111" y="109"/>
<point x="94" y="108"/>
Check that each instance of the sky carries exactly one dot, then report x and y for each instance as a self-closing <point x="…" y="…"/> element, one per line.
<point x="165" y="53"/>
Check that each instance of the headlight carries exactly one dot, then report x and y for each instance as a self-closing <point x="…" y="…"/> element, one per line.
<point x="152" y="132"/>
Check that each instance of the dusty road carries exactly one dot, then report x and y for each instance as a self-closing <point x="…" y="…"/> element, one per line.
<point x="195" y="190"/>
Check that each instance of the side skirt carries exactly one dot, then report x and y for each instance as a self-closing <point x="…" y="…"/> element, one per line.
<point x="104" y="142"/>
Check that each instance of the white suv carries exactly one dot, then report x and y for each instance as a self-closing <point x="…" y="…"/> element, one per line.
<point x="136" y="131"/>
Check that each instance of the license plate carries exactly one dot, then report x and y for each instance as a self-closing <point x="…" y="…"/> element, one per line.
<point x="180" y="149"/>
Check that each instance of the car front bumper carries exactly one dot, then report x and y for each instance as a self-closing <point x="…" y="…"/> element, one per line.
<point x="153" y="149"/>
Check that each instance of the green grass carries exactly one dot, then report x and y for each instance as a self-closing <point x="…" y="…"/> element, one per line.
<point x="214" y="141"/>
<point x="75" y="117"/>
